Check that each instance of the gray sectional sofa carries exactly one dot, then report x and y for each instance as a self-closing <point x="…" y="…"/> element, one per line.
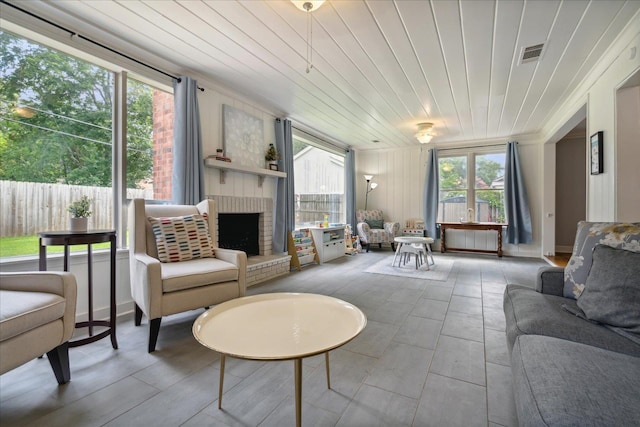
<point x="568" y="369"/>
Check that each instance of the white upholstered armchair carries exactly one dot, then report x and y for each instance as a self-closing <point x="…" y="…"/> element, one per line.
<point x="176" y="285"/>
<point x="37" y="316"/>
<point x="372" y="228"/>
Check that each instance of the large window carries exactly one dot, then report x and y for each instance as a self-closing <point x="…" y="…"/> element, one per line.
<point x="319" y="183"/>
<point x="56" y="141"/>
<point x="149" y="140"/>
<point x="472" y="187"/>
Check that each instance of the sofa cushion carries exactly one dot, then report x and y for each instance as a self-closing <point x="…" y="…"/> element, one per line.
<point x="178" y="276"/>
<point x="614" y="234"/>
<point x="182" y="238"/>
<point x="529" y="312"/>
<point x="23" y="311"/>
<point x="563" y="383"/>
<point x="612" y="292"/>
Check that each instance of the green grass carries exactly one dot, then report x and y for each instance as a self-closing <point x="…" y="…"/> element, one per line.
<point x="28" y="245"/>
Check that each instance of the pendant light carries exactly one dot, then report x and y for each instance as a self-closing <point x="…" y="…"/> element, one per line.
<point x="309" y="6"/>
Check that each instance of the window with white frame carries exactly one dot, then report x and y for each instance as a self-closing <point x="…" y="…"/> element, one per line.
<point x="472" y="187"/>
<point x="319" y="182"/>
<point x="56" y="141"/>
<point x="149" y="140"/>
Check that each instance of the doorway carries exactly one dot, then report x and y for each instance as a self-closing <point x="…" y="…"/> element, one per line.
<point x="571" y="186"/>
<point x="628" y="150"/>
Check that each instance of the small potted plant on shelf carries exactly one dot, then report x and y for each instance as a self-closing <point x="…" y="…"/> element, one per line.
<point x="80" y="212"/>
<point x="271" y="156"/>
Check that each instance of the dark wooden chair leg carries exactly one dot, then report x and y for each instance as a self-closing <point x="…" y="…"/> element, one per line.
<point x="368" y="245"/>
<point x="154" y="328"/>
<point x="393" y="247"/>
<point x="379" y="245"/>
<point x="59" y="361"/>
<point x="138" y="317"/>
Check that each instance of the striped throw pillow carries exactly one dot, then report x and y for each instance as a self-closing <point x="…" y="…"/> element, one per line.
<point x="182" y="238"/>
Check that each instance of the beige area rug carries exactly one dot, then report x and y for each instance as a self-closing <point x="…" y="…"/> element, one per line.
<point x="440" y="271"/>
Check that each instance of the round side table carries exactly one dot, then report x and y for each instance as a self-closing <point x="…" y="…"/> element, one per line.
<point x="67" y="239"/>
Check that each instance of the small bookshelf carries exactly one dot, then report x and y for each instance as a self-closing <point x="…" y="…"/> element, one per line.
<point x="302" y="248"/>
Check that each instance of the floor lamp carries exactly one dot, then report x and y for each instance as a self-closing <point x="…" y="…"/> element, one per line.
<point x="370" y="187"/>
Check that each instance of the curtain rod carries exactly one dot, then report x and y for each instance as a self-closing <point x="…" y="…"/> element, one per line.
<point x="74" y="34"/>
<point x="321" y="139"/>
<point x="473" y="146"/>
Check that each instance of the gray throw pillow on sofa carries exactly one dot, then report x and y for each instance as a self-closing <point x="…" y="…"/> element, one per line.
<point x="612" y="292"/>
<point x="614" y="234"/>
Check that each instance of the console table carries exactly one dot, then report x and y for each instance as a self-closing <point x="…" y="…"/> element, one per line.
<point x="69" y="238"/>
<point x="475" y="226"/>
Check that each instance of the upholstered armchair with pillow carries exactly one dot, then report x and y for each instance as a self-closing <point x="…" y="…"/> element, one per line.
<point x="174" y="263"/>
<point x="372" y="228"/>
<point x="37" y="316"/>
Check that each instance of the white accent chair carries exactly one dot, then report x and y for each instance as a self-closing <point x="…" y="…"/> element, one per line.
<point x="160" y="289"/>
<point x="369" y="235"/>
<point x="37" y="316"/>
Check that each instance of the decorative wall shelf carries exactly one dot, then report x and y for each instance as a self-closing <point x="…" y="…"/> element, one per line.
<point x="228" y="166"/>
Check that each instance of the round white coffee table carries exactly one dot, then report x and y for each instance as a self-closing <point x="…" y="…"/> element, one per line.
<point x="279" y="326"/>
<point x="414" y="245"/>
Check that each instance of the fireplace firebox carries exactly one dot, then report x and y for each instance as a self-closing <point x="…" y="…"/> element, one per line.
<point x="239" y="231"/>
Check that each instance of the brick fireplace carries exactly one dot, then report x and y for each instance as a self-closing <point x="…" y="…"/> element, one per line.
<point x="266" y="265"/>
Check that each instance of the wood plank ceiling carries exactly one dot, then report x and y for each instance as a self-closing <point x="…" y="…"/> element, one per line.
<point x="379" y="67"/>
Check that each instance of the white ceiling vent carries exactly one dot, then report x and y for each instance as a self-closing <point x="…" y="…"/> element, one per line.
<point x="531" y="53"/>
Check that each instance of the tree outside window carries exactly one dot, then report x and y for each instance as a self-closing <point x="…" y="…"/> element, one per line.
<point x="56" y="140"/>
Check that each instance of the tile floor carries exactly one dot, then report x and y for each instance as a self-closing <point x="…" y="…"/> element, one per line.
<point x="433" y="354"/>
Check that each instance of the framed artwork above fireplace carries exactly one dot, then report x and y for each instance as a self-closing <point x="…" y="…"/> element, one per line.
<point x="243" y="137"/>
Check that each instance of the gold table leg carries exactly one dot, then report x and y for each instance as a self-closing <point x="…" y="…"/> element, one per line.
<point x="298" y="378"/>
<point x="326" y="363"/>
<point x="222" y="359"/>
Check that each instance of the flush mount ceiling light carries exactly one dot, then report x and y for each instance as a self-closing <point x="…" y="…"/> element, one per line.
<point x="425" y="133"/>
<point x="309" y="6"/>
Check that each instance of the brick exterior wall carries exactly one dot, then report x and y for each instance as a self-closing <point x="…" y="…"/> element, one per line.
<point x="162" y="144"/>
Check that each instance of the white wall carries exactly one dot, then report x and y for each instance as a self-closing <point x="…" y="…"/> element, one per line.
<point x="400" y="177"/>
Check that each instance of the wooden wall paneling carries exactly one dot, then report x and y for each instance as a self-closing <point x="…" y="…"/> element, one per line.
<point x="477" y="17"/>
<point x="504" y="43"/>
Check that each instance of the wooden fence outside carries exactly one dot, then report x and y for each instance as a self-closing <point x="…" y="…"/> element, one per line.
<point x="29" y="207"/>
<point x="312" y="207"/>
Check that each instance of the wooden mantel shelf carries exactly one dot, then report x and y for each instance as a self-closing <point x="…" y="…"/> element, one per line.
<point x="228" y="166"/>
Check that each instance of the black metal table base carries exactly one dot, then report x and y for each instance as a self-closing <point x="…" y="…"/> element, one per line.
<point x="69" y="238"/>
